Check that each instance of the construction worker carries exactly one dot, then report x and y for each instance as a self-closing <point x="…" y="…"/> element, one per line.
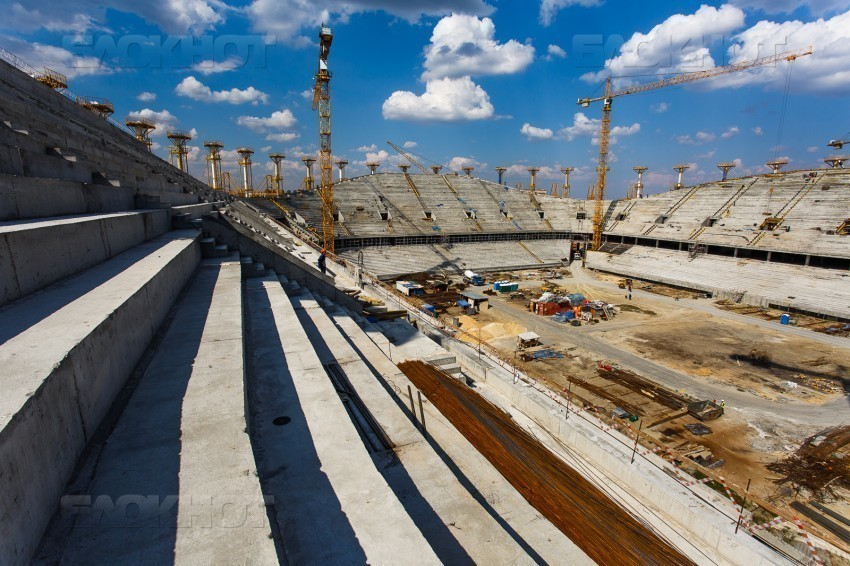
<point x="322" y="266"/>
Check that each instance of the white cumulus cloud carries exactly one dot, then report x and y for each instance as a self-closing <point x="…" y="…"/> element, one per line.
<point x="678" y="44"/>
<point x="278" y="120"/>
<point x="584" y="126"/>
<point x="660" y="108"/>
<point x="533" y="133"/>
<point x="731" y="131"/>
<point x="465" y="46"/>
<point x="409" y="144"/>
<point x="283" y="136"/>
<point x="554" y="51"/>
<point x="367" y="148"/>
<point x="146" y="96"/>
<point x="287" y="19"/>
<point x="444" y="100"/>
<point x="550" y="8"/>
<point x="697" y="139"/>
<point x="193" y="88"/>
<point x="212" y="67"/>
<point x="757" y="131"/>
<point x="824" y="71"/>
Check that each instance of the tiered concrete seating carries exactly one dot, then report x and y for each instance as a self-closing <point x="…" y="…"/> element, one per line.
<point x="395" y="261"/>
<point x="182" y="441"/>
<point x="66" y="352"/>
<point x="86" y="280"/>
<point x="814" y="290"/>
<point x="43" y="134"/>
<point x="38" y="252"/>
<point x="331" y="503"/>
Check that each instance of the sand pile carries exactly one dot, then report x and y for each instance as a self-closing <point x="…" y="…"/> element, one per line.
<point x="488" y="332"/>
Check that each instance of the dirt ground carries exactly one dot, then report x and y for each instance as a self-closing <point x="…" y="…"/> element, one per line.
<point x="780" y="367"/>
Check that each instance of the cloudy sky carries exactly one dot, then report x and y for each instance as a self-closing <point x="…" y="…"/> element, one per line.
<point x="461" y="82"/>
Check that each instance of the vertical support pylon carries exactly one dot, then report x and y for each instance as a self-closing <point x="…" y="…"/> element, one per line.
<point x="436" y="169"/>
<point x="639" y="185"/>
<point x="214" y="164"/>
<point x="565" y="190"/>
<point x="308" y="180"/>
<point x="404" y="168"/>
<point x="681" y="170"/>
<point x="725" y="167"/>
<point x="245" y="163"/>
<point x="468" y="170"/>
<point x="142" y="127"/>
<point x="533" y="184"/>
<point x="276" y="179"/>
<point x="179" y="151"/>
<point x="373" y="166"/>
<point x="501" y="172"/>
<point x="341" y="166"/>
<point x="836" y="162"/>
<point x="776" y="165"/>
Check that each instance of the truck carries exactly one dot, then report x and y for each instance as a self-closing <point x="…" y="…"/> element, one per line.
<point x="473" y="278"/>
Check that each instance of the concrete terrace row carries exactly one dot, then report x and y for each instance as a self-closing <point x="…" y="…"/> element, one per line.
<point x="394" y="261"/>
<point x="823" y="291"/>
<point x="808" y="211"/>
<point x="731" y="213"/>
<point x="44" y="135"/>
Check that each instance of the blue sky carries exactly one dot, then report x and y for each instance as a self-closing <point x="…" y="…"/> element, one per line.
<point x="478" y="82"/>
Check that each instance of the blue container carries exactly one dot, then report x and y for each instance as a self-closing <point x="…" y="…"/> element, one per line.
<point x="785" y="319"/>
<point x="496" y="285"/>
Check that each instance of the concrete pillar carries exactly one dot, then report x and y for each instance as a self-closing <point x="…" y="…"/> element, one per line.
<point x="501" y="172"/>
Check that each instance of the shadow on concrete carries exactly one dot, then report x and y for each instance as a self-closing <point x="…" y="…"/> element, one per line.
<point x="35" y="308"/>
<point x="308" y="516"/>
<point x="450" y="464"/>
<point x="133" y="478"/>
<point x="432" y="527"/>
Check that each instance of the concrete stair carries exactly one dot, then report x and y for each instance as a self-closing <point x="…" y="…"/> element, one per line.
<point x="37" y="252"/>
<point x="67" y="352"/>
<point x="331" y="504"/>
<point x="181" y="439"/>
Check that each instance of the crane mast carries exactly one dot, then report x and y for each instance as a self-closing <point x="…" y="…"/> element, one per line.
<point x="322" y="103"/>
<point x="408" y="157"/>
<point x="610" y="94"/>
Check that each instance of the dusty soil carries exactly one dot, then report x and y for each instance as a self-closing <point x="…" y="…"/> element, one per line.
<point x="772" y="365"/>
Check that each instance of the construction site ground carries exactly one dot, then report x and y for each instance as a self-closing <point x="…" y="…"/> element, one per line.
<point x="776" y="372"/>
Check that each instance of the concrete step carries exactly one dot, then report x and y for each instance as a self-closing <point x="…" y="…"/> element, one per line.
<point x="499" y="528"/>
<point x="66" y="352"/>
<point x="38" y="252"/>
<point x="183" y="433"/>
<point x="331" y="504"/>
<point x="33" y="197"/>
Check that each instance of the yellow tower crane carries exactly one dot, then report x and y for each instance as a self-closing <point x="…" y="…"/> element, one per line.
<point x="322" y="103"/>
<point x="610" y="94"/>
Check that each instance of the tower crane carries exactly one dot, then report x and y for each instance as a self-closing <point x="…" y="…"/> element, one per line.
<point x="610" y="94"/>
<point x="322" y="103"/>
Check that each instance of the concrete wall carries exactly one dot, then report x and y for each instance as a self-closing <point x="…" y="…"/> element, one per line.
<point x="32" y="258"/>
<point x="24" y="197"/>
<point x="40" y="444"/>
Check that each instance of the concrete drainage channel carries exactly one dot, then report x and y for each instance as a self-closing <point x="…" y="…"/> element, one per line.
<point x="374" y="437"/>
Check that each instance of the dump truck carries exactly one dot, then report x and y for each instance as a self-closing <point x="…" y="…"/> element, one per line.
<point x="705" y="410"/>
<point x="473" y="278"/>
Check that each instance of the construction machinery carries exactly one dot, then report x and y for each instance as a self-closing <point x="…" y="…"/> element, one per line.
<point x="322" y="103"/>
<point x="608" y="98"/>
